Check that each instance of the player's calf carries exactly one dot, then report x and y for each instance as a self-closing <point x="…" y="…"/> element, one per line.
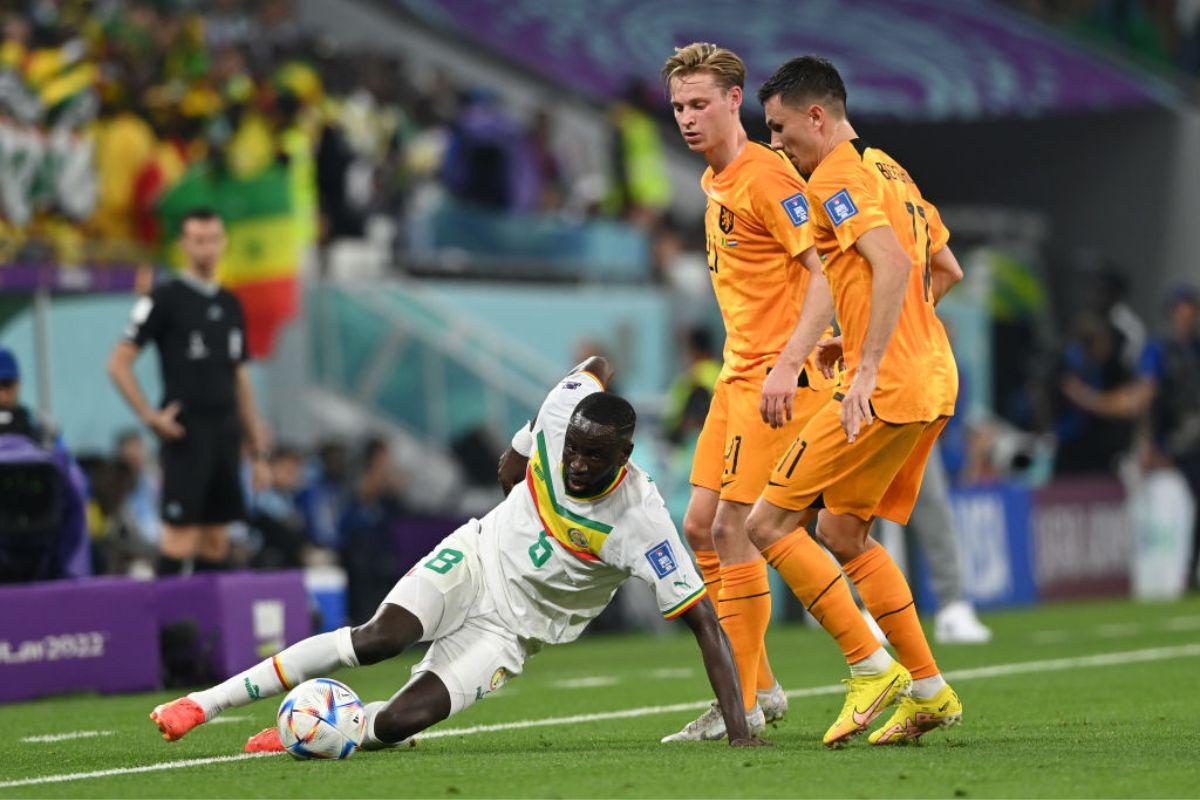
<point x="420" y="706"/>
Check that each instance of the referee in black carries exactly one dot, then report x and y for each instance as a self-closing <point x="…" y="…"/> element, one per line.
<point x="207" y="416"/>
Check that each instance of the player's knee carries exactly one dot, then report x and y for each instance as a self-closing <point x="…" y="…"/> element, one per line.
<point x="375" y="641"/>
<point x="760" y="531"/>
<point x="844" y="541"/>
<point x="698" y="530"/>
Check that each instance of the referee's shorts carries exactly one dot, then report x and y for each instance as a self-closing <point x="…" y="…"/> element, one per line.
<point x="202" y="472"/>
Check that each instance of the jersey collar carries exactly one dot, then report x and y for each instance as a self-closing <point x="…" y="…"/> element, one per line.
<point x="203" y="287"/>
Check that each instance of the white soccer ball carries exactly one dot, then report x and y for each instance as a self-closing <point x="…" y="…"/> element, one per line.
<point x="322" y="718"/>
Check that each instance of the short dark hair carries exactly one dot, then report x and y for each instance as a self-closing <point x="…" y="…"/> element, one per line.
<point x="609" y="410"/>
<point x="200" y="214"/>
<point x="803" y="80"/>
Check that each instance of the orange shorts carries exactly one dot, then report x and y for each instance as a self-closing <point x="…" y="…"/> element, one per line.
<point x="736" y="450"/>
<point x="879" y="475"/>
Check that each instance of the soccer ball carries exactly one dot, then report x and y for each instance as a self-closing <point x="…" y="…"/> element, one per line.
<point x="322" y="718"/>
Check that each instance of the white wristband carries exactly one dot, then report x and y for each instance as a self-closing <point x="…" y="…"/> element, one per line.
<point x="522" y="441"/>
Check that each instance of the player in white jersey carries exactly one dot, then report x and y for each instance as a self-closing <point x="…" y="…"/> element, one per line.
<point x="534" y="571"/>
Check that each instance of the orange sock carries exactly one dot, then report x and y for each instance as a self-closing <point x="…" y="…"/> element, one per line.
<point x="744" y="608"/>
<point x="710" y="571"/>
<point x="766" y="677"/>
<point x="817" y="583"/>
<point x="885" y="593"/>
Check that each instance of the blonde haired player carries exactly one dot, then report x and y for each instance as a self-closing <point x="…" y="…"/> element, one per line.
<point x="884" y="251"/>
<point x="764" y="270"/>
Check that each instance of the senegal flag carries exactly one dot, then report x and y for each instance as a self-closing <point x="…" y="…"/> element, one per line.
<point x="266" y="242"/>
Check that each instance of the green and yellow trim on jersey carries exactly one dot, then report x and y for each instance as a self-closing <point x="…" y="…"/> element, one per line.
<point x="686" y="603"/>
<point x="581" y="536"/>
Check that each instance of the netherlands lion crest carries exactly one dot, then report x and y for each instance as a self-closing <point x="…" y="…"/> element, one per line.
<point x="726" y="220"/>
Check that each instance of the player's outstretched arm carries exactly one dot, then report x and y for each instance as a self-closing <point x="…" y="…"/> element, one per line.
<point x="890" y="267"/>
<point x="779" y="389"/>
<point x="946" y="272"/>
<point x="722" y="672"/>
<point x="598" y="366"/>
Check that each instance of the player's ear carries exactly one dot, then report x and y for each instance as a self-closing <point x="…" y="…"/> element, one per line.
<point x="626" y="450"/>
<point x="735" y="96"/>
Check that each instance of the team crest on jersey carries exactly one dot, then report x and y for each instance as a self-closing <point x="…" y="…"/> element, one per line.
<point x="840" y="207"/>
<point x="571" y="385"/>
<point x="726" y="220"/>
<point x="578" y="538"/>
<point x="796" y="207"/>
<point x="662" y="559"/>
<point x="497" y="679"/>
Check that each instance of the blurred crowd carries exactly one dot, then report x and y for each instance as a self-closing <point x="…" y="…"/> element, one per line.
<point x="1163" y="32"/>
<point x="338" y="505"/>
<point x="105" y="106"/>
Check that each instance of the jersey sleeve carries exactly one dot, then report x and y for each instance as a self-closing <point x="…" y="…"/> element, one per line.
<point x="147" y="318"/>
<point x="848" y="196"/>
<point x="777" y="198"/>
<point x="939" y="236"/>
<point x="657" y="555"/>
<point x="558" y="406"/>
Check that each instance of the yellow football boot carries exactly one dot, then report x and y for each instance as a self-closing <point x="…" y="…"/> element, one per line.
<point x="915" y="717"/>
<point x="867" y="697"/>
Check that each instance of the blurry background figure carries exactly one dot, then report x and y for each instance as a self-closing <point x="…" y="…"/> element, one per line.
<point x="276" y="516"/>
<point x="368" y="529"/>
<point x="1170" y="373"/>
<point x="43" y="514"/>
<point x="1091" y="363"/>
<point x="691" y="392"/>
<point x="141" y="502"/>
<point x="324" y="499"/>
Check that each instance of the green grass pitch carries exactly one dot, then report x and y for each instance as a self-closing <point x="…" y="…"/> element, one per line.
<point x="1068" y="720"/>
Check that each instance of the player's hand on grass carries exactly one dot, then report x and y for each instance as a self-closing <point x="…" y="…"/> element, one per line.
<point x="856" y="405"/>
<point x="164" y="423"/>
<point x="828" y="354"/>
<point x="778" y="393"/>
<point x="750" y="741"/>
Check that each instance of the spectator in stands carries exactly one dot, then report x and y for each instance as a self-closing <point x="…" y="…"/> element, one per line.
<point x="141" y="503"/>
<point x="368" y="529"/>
<point x="690" y="394"/>
<point x="324" y="499"/>
<point x="487" y="162"/>
<point x="1091" y="365"/>
<point x="1170" y="373"/>
<point x="641" y="187"/>
<point x="14" y="417"/>
<point x="276" y="516"/>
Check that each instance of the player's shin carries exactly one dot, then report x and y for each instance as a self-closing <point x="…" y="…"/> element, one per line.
<point x="744" y="609"/>
<point x="887" y="596"/>
<point x="817" y="582"/>
<point x="313" y="657"/>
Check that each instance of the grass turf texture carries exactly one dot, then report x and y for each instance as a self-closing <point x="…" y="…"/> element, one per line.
<point x="1100" y="731"/>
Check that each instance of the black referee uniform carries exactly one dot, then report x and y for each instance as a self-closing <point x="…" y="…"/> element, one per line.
<point x="200" y="334"/>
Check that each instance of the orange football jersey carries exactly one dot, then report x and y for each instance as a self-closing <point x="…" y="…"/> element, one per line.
<point x="854" y="189"/>
<point x="756" y="225"/>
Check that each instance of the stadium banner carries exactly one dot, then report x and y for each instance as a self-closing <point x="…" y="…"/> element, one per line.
<point x="97" y="634"/>
<point x="993" y="524"/>
<point x="1082" y="538"/>
<point x="240" y="618"/>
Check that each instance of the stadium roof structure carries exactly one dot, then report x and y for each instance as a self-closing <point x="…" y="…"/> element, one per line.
<point x="901" y="59"/>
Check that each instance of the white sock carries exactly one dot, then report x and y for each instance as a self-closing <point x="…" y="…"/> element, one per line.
<point x="925" y="688"/>
<point x="874" y="664"/>
<point x="315" y="656"/>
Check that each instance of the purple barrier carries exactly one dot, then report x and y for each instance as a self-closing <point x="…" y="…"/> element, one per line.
<point x="66" y="636"/>
<point x="241" y="617"/>
<point x="414" y="537"/>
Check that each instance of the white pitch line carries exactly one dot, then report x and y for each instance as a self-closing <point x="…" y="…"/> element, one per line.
<point x="997" y="670"/>
<point x="672" y="673"/>
<point x="226" y="720"/>
<point x="62" y="737"/>
<point x="1183" y="624"/>
<point x="1119" y="629"/>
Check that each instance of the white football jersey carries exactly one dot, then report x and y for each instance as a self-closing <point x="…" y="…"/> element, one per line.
<point x="553" y="561"/>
